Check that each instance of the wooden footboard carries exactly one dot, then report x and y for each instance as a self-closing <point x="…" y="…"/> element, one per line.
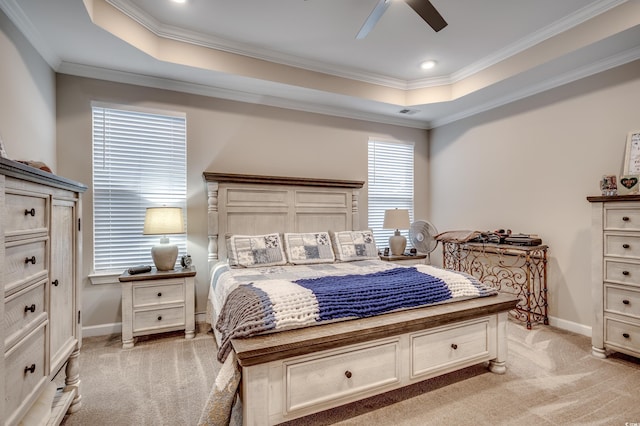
<point x="296" y="373"/>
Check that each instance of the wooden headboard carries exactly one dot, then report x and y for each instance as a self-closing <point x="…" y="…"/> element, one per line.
<point x="253" y="205"/>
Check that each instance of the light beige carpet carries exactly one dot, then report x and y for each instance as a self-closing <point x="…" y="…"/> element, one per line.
<point x="552" y="379"/>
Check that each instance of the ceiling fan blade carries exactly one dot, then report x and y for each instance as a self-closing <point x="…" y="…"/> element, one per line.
<point x="425" y="9"/>
<point x="373" y="18"/>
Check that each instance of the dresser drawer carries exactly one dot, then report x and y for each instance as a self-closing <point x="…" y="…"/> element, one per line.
<point x="623" y="334"/>
<point x="25" y="213"/>
<point x="149" y="295"/>
<point x="622" y="300"/>
<point x="622" y="272"/>
<point x="622" y="245"/>
<point x="443" y="349"/>
<point x="318" y="380"/>
<point x="23" y="310"/>
<point x="144" y="320"/>
<point x="24" y="261"/>
<point x="25" y="370"/>
<point x="622" y="216"/>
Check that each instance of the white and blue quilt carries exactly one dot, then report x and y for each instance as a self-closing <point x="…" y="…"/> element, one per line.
<point x="261" y="300"/>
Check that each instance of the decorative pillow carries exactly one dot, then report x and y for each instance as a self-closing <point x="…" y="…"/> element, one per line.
<point x="311" y="247"/>
<point x="255" y="250"/>
<point x="354" y="245"/>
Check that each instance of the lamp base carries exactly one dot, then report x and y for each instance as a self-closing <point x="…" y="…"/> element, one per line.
<point x="397" y="244"/>
<point x="164" y="256"/>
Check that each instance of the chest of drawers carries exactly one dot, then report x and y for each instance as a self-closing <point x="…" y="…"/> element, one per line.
<point x="615" y="274"/>
<point x="40" y="287"/>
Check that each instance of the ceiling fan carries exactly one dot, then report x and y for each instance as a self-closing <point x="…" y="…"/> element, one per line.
<point x="424" y="8"/>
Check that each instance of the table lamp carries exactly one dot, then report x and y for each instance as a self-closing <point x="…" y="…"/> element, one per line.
<point x="396" y="219"/>
<point x="164" y="221"/>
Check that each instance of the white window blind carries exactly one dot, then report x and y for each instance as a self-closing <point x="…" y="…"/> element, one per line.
<point x="390" y="185"/>
<point x="139" y="161"/>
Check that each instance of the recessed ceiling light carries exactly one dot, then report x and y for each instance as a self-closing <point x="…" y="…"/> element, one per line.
<point x="179" y="1"/>
<point x="427" y="65"/>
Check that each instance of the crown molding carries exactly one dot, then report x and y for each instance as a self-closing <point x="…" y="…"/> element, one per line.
<point x="559" y="80"/>
<point x="233" y="95"/>
<point x="30" y="32"/>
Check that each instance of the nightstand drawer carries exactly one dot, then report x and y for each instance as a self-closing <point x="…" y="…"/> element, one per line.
<point x="22" y="310"/>
<point x="151" y="295"/>
<point x="25" y="213"/>
<point x="24" y="261"/>
<point x="158" y="318"/>
<point x="622" y="272"/>
<point x="622" y="300"/>
<point x="25" y="369"/>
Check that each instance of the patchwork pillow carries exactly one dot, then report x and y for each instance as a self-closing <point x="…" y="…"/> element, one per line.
<point x="354" y="245"/>
<point x="255" y="250"/>
<point x="310" y="247"/>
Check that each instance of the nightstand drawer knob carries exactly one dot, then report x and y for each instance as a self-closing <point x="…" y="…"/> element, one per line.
<point x="159" y="317"/>
<point x="55" y="283"/>
<point x="626" y="246"/>
<point x="348" y="374"/>
<point x="159" y="294"/>
<point x="454" y="346"/>
<point x="31" y="212"/>
<point x="31" y="308"/>
<point x="31" y="369"/>
<point x="625" y="273"/>
<point x="625" y="302"/>
<point x="625" y="218"/>
<point x="31" y="259"/>
<point x="625" y="335"/>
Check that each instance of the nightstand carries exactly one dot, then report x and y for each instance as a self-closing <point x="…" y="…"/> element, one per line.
<point x="157" y="302"/>
<point x="418" y="259"/>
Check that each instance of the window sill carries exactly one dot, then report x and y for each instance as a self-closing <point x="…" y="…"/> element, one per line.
<point x="110" y="277"/>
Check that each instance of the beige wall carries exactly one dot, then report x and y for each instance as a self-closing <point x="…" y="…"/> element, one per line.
<point x="222" y="136"/>
<point x="27" y="106"/>
<point x="530" y="165"/>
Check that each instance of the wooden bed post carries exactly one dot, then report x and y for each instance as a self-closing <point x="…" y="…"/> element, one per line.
<point x="212" y="217"/>
<point x="355" y="215"/>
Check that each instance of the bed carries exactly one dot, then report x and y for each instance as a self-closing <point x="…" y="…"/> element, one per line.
<point x="294" y="370"/>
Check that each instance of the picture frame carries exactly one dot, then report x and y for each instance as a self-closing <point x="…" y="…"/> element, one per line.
<point x="3" y="153"/>
<point x="629" y="185"/>
<point x="632" y="154"/>
<point x="608" y="185"/>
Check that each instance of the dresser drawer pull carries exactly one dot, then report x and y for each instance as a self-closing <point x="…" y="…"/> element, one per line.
<point x="159" y="317"/>
<point x="454" y="346"/>
<point x="31" y="369"/>
<point x="625" y="218"/>
<point x="159" y="294"/>
<point x="626" y="302"/>
<point x="31" y="308"/>
<point x="625" y="273"/>
<point x="55" y="283"/>
<point x="31" y="259"/>
<point x="626" y="246"/>
<point x="31" y="212"/>
<point x="348" y="374"/>
<point x="625" y="335"/>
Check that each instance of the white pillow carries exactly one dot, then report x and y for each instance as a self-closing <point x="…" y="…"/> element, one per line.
<point x="354" y="245"/>
<point x="255" y="250"/>
<point x="308" y="247"/>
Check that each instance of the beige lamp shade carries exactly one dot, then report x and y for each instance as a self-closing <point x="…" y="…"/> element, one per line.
<point x="164" y="221"/>
<point x="396" y="219"/>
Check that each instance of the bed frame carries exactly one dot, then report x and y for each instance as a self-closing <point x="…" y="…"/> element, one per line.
<point x="295" y="373"/>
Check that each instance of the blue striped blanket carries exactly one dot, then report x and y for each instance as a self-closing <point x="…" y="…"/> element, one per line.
<point x="280" y="304"/>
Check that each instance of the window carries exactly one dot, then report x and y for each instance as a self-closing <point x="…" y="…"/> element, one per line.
<point x="390" y="185"/>
<point x="139" y="161"/>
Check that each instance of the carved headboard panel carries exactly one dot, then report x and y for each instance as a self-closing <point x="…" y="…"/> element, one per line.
<point x="252" y="205"/>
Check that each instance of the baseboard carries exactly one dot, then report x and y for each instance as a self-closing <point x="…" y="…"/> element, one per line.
<point x="116" y="327"/>
<point x="574" y="327"/>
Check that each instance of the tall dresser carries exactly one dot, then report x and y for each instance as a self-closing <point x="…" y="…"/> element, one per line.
<point x="41" y="288"/>
<point x="615" y="274"/>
